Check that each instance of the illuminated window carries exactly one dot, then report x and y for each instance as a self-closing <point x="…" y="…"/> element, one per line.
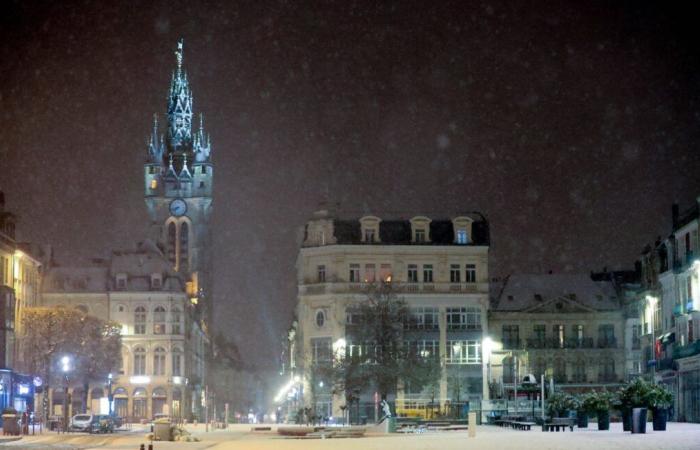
<point x="140" y="320"/>
<point x="159" y="361"/>
<point x="139" y="361"/>
<point x="159" y="320"/>
<point x="462" y="237"/>
<point x="154" y="183"/>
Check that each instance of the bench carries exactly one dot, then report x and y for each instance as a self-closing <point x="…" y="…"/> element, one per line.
<point x="558" y="423"/>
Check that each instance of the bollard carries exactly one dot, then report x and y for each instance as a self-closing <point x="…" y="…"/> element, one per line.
<point x="472" y="424"/>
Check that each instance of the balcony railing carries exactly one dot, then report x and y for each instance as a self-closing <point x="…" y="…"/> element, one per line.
<point x="311" y="287"/>
<point x="608" y="377"/>
<point x="686" y="350"/>
<point x="607" y="342"/>
<point x="554" y="343"/>
<point x="511" y="344"/>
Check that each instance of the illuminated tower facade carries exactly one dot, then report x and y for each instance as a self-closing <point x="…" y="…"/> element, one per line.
<point x="178" y="177"/>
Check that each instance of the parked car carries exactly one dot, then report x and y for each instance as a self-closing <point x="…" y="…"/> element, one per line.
<point x="81" y="422"/>
<point x="102" y="424"/>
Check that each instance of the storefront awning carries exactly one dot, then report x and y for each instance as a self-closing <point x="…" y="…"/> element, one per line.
<point x="668" y="338"/>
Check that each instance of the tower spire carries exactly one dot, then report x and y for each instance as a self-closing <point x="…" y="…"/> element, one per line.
<point x="179" y="107"/>
<point x="178" y="56"/>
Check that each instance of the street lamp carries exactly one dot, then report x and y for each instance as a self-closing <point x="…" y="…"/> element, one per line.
<point x="110" y="397"/>
<point x="66" y="363"/>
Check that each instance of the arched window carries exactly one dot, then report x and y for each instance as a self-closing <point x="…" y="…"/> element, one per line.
<point x="159" y="320"/>
<point x="139" y="403"/>
<point x="176" y="318"/>
<point x="177" y="362"/>
<point x="172" y="243"/>
<point x="184" y="247"/>
<point x="159" y="361"/>
<point x="140" y="320"/>
<point x="139" y="361"/>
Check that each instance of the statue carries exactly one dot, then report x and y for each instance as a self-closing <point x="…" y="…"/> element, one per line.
<point x="386" y="409"/>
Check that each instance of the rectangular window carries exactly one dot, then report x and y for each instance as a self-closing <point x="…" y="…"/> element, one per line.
<point x="420" y="235"/>
<point x="462" y="237"/>
<point x="177" y="364"/>
<point x="636" y="333"/>
<point x="154" y="184"/>
<point x="463" y="352"/>
<point x="412" y="273"/>
<point x="539" y="332"/>
<point x="369" y="235"/>
<point x="320" y="350"/>
<point x="422" y="317"/>
<point x="385" y="272"/>
<point x="606" y="336"/>
<point x="427" y="273"/>
<point x="463" y="318"/>
<point x="354" y="273"/>
<point x="511" y="336"/>
<point x="321" y="271"/>
<point x="470" y="275"/>
<point x="455" y="273"/>
<point x="370" y="273"/>
<point x="559" y="335"/>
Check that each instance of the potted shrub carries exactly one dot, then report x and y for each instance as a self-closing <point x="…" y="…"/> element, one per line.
<point x="600" y="403"/>
<point x="559" y="404"/>
<point x="583" y="408"/>
<point x="639" y="392"/>
<point x="623" y="403"/>
<point x="659" y="400"/>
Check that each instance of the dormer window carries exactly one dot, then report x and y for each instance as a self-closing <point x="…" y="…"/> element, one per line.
<point x="369" y="227"/>
<point x="121" y="281"/>
<point x="156" y="281"/>
<point x="420" y="227"/>
<point x="462" y="230"/>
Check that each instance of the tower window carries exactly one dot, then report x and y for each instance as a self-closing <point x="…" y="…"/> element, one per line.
<point x="184" y="247"/>
<point x="204" y="170"/>
<point x="172" y="242"/>
<point x="201" y="184"/>
<point x="154" y="183"/>
<point x="151" y="170"/>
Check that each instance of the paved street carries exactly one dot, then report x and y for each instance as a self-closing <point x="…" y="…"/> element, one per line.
<point x="678" y="436"/>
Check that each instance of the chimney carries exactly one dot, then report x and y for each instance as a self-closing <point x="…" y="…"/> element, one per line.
<point x="674" y="216"/>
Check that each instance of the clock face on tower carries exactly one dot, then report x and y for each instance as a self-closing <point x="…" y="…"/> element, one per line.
<point x="178" y="207"/>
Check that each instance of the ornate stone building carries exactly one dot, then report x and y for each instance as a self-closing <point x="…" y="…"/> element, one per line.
<point x="568" y="327"/>
<point x="160" y="291"/>
<point x="439" y="267"/>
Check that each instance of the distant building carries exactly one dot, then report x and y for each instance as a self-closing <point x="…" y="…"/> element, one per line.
<point x="20" y="278"/>
<point x="438" y="266"/>
<point x="163" y="343"/>
<point x="567" y="327"/>
<point x="670" y="312"/>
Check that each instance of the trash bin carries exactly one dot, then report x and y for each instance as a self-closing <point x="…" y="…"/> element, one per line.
<point x="10" y="424"/>
<point x="639" y="420"/>
<point x="161" y="431"/>
<point x="392" y="424"/>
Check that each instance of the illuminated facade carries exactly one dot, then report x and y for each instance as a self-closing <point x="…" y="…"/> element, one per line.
<point x="20" y="278"/>
<point x="163" y="344"/>
<point x="178" y="178"/>
<point x="670" y="313"/>
<point x="568" y="327"/>
<point x="439" y="267"/>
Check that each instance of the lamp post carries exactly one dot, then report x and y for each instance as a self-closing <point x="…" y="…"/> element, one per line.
<point x="110" y="397"/>
<point x="65" y="368"/>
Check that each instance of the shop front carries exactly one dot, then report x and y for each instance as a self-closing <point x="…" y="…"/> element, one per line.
<point x="689" y="389"/>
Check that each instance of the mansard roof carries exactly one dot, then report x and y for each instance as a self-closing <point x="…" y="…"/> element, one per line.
<point x="138" y="264"/>
<point x="398" y="232"/>
<point x="533" y="292"/>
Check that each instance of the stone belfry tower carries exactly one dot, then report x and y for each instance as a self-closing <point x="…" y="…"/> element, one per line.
<point x="178" y="176"/>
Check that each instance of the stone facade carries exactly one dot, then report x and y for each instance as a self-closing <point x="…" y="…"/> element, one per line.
<point x="163" y="344"/>
<point x="567" y="327"/>
<point x="438" y="267"/>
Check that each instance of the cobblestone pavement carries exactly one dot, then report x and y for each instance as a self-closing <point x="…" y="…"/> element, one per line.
<point x="679" y="436"/>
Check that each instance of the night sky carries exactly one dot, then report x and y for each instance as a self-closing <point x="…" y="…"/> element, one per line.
<point x="572" y="126"/>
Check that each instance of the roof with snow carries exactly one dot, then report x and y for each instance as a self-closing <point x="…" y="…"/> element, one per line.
<point x="523" y="292"/>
